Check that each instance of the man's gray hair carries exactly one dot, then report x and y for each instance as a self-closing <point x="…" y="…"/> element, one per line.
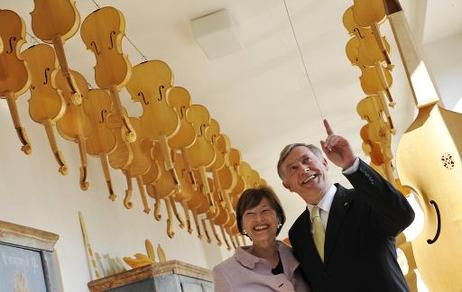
<point x="286" y="151"/>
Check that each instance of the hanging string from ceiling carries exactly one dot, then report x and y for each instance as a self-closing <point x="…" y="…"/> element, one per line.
<point x="143" y="56"/>
<point x="302" y="59"/>
<point x="33" y="39"/>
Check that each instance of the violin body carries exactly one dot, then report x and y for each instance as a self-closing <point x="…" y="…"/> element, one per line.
<point x="153" y="173"/>
<point x="102" y="32"/>
<point x="201" y="153"/>
<point x="75" y="125"/>
<point x="51" y="18"/>
<point x="250" y="176"/>
<point x="372" y="82"/>
<point x="368" y="12"/>
<point x="180" y="99"/>
<point x="47" y="104"/>
<point x="74" y="122"/>
<point x="165" y="185"/>
<point x="122" y="155"/>
<point x="101" y="141"/>
<point x="14" y="75"/>
<point x="148" y="85"/>
<point x="97" y="107"/>
<point x="429" y="162"/>
<point x="225" y="176"/>
<point x="363" y="50"/>
<point x="141" y="163"/>
<point x="138" y="167"/>
<point x="240" y="186"/>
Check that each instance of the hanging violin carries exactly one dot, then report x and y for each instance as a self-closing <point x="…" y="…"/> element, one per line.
<point x="201" y="154"/>
<point x="46" y="104"/>
<point x="148" y="85"/>
<point x="14" y="75"/>
<point x="138" y="166"/>
<point x="101" y="141"/>
<point x="180" y="99"/>
<point x="74" y="125"/>
<point x="102" y="32"/>
<point x="54" y="22"/>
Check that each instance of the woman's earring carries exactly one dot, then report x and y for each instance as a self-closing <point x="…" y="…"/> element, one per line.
<point x="279" y="225"/>
<point x="244" y="232"/>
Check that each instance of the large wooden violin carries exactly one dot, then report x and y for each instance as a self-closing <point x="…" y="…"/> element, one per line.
<point x="14" y="76"/>
<point x="101" y="141"/>
<point x="102" y="32"/>
<point x="55" y="21"/>
<point x="429" y="162"/>
<point x="46" y="104"/>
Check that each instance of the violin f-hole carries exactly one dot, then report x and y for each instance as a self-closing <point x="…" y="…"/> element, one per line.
<point x="182" y="112"/>
<point x="141" y="94"/>
<point x="11" y="42"/>
<point x="160" y="92"/>
<point x="358" y="32"/>
<point x="438" y="226"/>
<point x="103" y="116"/>
<point x="95" y="48"/>
<point x="47" y="69"/>
<point x="202" y="130"/>
<point x="111" y="35"/>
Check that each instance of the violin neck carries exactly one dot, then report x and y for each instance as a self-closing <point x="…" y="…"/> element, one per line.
<point x="420" y="80"/>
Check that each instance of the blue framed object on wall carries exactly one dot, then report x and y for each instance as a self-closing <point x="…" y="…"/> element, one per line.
<point x="28" y="261"/>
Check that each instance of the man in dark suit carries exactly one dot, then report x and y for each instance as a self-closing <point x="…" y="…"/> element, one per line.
<point x="345" y="239"/>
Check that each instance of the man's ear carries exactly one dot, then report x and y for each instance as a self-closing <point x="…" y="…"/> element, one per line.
<point x="286" y="185"/>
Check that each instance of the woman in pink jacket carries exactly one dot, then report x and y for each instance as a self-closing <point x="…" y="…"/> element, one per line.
<point x="268" y="264"/>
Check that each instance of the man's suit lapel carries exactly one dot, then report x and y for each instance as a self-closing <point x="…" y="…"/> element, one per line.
<point x="339" y="208"/>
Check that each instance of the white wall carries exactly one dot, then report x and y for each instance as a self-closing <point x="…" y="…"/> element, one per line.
<point x="445" y="59"/>
<point x="33" y="193"/>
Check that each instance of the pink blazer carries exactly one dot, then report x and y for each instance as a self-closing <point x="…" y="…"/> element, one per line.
<point x="245" y="272"/>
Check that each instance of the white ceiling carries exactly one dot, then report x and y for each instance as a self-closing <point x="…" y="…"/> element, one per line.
<point x="259" y="94"/>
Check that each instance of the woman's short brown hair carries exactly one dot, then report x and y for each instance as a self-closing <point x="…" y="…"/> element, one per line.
<point x="252" y="197"/>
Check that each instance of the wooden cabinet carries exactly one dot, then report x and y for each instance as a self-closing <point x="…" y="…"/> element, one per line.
<point x="28" y="260"/>
<point x="171" y="276"/>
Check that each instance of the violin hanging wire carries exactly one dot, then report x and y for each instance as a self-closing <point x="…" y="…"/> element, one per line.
<point x="143" y="56"/>
<point x="35" y="41"/>
<point x="302" y="59"/>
